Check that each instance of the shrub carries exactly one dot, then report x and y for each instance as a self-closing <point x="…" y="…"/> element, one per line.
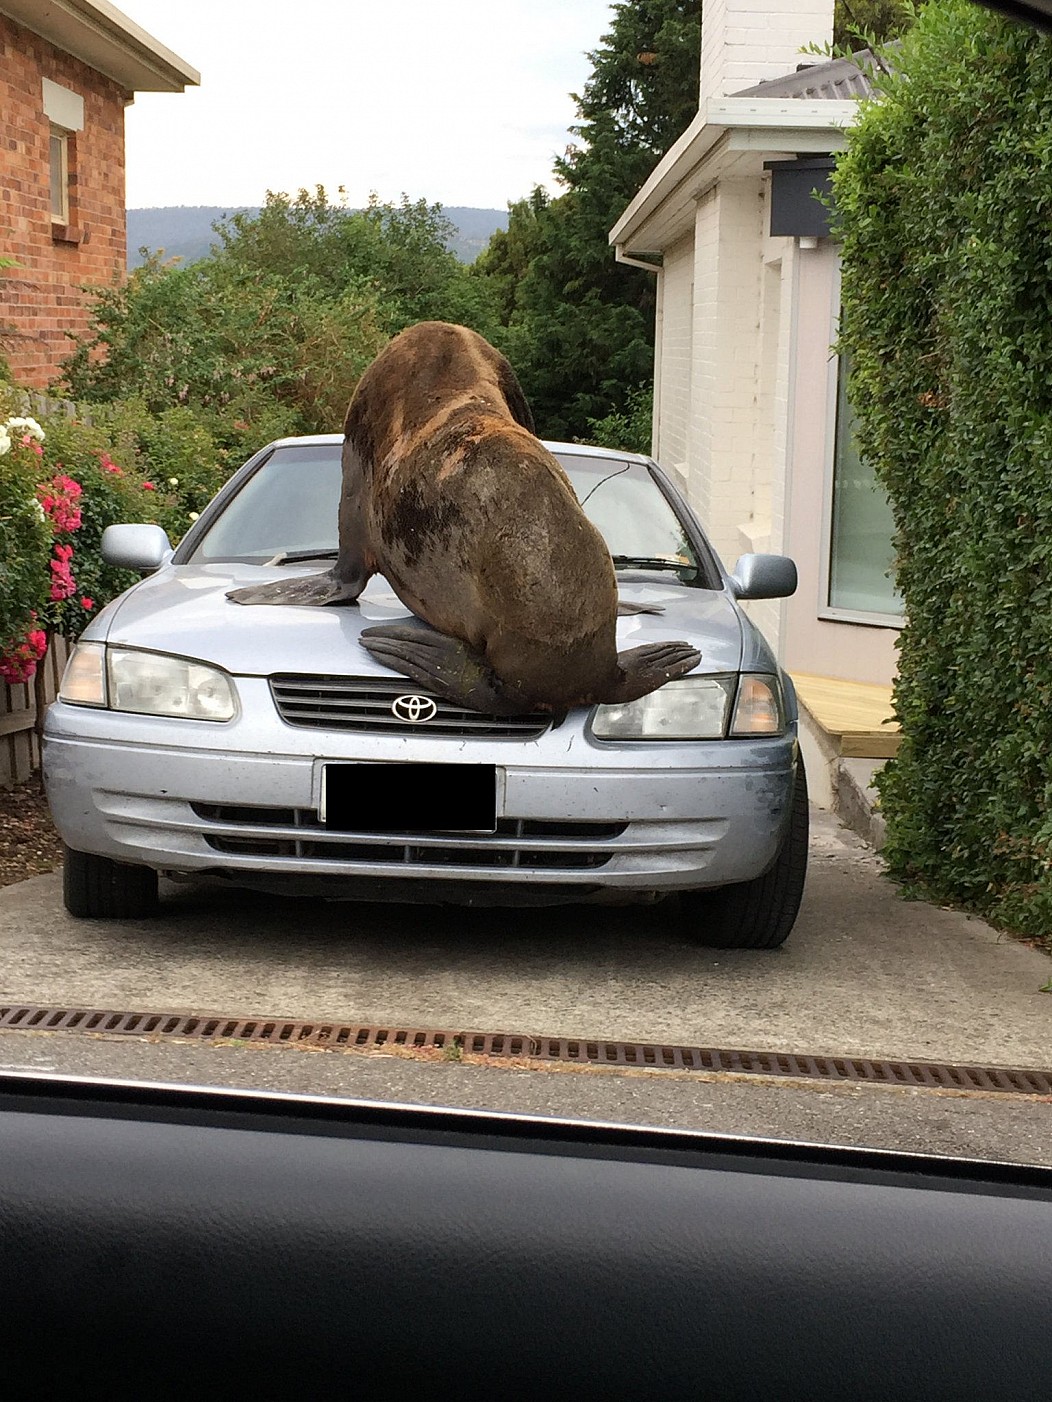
<point x="59" y="490"/>
<point x="630" y="428"/>
<point x="25" y="549"/>
<point x="944" y="199"/>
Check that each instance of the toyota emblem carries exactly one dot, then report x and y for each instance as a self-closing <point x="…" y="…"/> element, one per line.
<point x="415" y="709"/>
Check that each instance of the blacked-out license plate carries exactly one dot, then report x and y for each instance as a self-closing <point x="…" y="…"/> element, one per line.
<point x="409" y="797"/>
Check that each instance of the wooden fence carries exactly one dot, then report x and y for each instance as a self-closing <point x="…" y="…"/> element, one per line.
<point x="19" y="747"/>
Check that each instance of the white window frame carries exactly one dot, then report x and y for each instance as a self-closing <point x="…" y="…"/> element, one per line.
<point x="825" y="609"/>
<point x="59" y="133"/>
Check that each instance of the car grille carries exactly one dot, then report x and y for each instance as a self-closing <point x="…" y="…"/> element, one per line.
<point x="364" y="703"/>
<point x="518" y="842"/>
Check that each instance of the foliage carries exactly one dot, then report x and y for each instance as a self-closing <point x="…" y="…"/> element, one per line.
<point x="274" y="328"/>
<point x="237" y="342"/>
<point x="61" y="484"/>
<point x="632" y="428"/>
<point x="395" y="253"/>
<point x="858" y="23"/>
<point x="944" y="199"/>
<point x="578" y="326"/>
<point x="25" y="546"/>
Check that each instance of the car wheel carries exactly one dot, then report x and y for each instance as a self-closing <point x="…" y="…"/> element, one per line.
<point x="758" y="914"/>
<point x="97" y="888"/>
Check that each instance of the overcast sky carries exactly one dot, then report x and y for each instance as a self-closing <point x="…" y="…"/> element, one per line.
<point x="460" y="101"/>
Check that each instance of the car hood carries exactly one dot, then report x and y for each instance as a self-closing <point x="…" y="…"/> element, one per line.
<point x="183" y="609"/>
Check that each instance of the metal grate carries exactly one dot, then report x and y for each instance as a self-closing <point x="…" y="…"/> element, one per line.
<point x="518" y="842"/>
<point x="364" y="703"/>
<point x="513" y="1046"/>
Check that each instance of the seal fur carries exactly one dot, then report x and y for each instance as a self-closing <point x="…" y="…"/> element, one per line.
<point x="448" y="493"/>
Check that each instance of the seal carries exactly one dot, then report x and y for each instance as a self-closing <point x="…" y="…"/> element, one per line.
<point x="447" y="492"/>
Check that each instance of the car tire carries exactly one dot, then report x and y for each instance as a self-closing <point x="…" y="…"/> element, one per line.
<point x="97" y="888"/>
<point x="758" y="914"/>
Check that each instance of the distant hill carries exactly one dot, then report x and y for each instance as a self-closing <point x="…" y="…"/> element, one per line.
<point x="185" y="231"/>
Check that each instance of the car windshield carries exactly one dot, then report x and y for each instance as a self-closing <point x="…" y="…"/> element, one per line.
<point x="286" y="513"/>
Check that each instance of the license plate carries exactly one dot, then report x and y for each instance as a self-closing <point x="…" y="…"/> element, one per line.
<point x="409" y="797"/>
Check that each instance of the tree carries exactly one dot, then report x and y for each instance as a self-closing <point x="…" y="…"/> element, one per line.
<point x="397" y="253"/>
<point x="857" y="23"/>
<point x="578" y="326"/>
<point x="276" y="325"/>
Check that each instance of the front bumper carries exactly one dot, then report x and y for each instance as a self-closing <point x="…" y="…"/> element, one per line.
<point x="575" y="817"/>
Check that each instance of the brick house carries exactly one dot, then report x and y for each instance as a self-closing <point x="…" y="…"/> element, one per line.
<point x="68" y="69"/>
<point x="749" y="404"/>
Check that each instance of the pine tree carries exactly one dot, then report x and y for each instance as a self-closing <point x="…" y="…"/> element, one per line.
<point x="578" y="326"/>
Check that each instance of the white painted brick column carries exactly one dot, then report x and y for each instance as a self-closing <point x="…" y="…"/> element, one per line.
<point x="744" y="42"/>
<point x="727" y="427"/>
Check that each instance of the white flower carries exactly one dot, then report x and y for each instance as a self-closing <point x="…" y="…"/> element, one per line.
<point x="5" y="441"/>
<point x="37" y="509"/>
<point x="173" y="481"/>
<point x="194" y="515"/>
<point x="27" y="425"/>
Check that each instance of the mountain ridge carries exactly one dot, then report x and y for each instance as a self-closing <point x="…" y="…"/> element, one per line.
<point x="185" y="231"/>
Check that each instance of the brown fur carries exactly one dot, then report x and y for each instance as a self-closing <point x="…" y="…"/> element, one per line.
<point x="447" y="492"/>
<point x="474" y="523"/>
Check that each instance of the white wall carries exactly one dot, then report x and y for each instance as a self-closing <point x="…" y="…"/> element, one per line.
<point x="725" y="410"/>
<point x="672" y="386"/>
<point x="744" y="42"/>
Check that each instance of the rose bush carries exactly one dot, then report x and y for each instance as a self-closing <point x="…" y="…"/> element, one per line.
<point x="60" y="487"/>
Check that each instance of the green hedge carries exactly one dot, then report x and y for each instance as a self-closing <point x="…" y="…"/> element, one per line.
<point x="944" y="202"/>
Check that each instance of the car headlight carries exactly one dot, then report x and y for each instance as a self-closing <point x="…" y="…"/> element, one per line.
<point x="693" y="708"/>
<point x="148" y="683"/>
<point x="697" y="708"/>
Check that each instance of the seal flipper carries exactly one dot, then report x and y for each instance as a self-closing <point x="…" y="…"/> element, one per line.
<point x="446" y="666"/>
<point x="352" y="570"/>
<point x="626" y="607"/>
<point x="305" y="590"/>
<point x="646" y="668"/>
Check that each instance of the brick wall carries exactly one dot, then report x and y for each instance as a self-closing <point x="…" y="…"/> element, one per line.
<point x="41" y="298"/>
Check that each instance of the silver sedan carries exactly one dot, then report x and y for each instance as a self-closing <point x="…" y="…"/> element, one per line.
<point x="265" y="748"/>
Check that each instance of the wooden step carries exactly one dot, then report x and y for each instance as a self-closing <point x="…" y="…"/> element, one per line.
<point x="855" y="716"/>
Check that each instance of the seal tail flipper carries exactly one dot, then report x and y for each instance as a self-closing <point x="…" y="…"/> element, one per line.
<point x="646" y="668"/>
<point x="446" y="666"/>
<point x="305" y="591"/>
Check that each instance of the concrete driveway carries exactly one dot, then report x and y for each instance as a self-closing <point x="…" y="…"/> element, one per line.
<point x="863" y="974"/>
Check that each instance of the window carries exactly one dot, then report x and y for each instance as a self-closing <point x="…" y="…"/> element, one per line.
<point x="59" y="176"/>
<point x="861" y="553"/>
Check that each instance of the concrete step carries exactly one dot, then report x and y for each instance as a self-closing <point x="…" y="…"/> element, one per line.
<point x="856" y="801"/>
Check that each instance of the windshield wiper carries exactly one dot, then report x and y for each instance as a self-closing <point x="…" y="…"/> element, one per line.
<point x="651" y="562"/>
<point x="291" y="557"/>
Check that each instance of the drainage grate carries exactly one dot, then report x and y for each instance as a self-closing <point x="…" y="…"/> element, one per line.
<point x="520" y="1046"/>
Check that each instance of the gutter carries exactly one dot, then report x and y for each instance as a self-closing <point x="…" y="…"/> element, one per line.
<point x="104" y="38"/>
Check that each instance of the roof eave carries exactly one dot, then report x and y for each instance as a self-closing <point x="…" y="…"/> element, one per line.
<point x="761" y="124"/>
<point x="101" y="36"/>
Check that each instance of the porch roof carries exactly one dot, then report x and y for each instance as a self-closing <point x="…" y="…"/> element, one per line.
<point x="804" y="112"/>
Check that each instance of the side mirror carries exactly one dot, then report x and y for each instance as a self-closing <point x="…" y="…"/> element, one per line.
<point x="135" y="547"/>
<point x="764" y="577"/>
